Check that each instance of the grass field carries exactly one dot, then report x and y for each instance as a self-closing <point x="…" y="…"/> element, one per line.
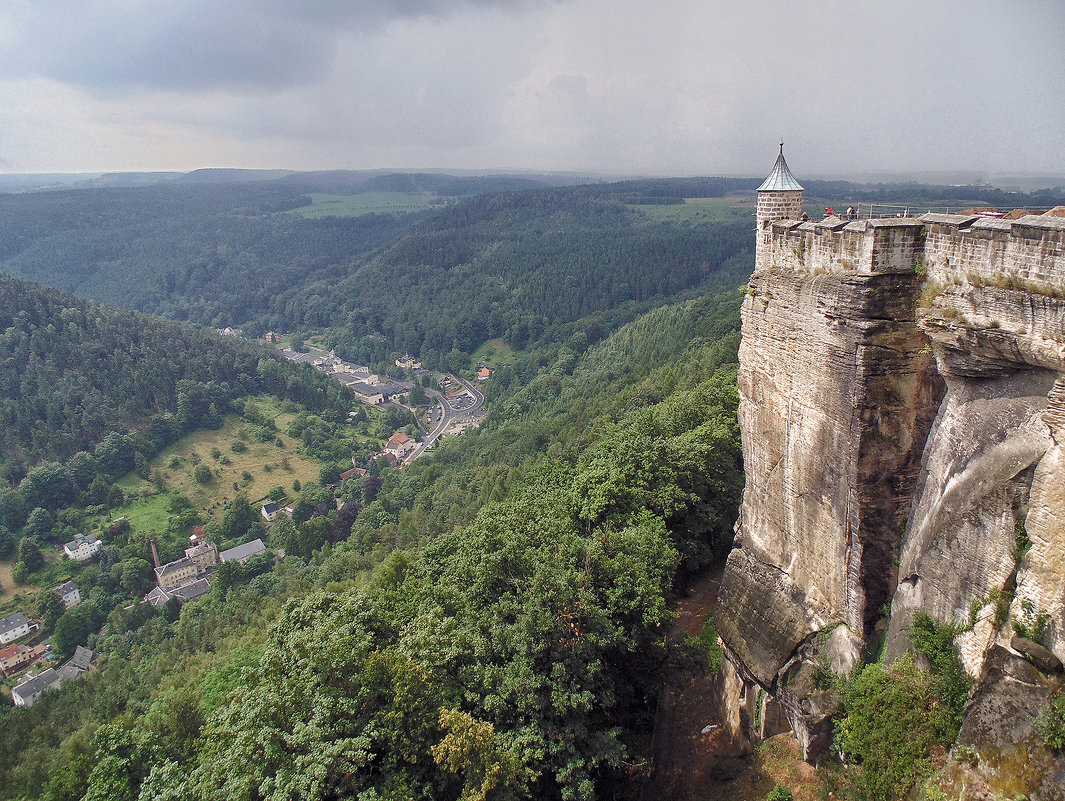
<point x="366" y="203"/>
<point x="256" y="469"/>
<point x="7" y="584"/>
<point x="494" y="353"/>
<point x="56" y="570"/>
<point x="698" y="210"/>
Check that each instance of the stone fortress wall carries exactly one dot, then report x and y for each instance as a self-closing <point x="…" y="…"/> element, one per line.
<point x="902" y="408"/>
<point x="1029" y="251"/>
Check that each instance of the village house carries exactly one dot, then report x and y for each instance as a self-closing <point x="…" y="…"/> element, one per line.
<point x="69" y="592"/>
<point x="367" y="394"/>
<point x="14" y="657"/>
<point x="197" y="562"/>
<point x="484" y="373"/>
<point x="186" y="592"/>
<point x="399" y="445"/>
<point x="408" y="362"/>
<point x="347" y="475"/>
<point x="30" y="689"/>
<point x="174" y="574"/>
<point x="82" y="548"/>
<point x="270" y="511"/>
<point x="14" y="627"/>
<point x="242" y="553"/>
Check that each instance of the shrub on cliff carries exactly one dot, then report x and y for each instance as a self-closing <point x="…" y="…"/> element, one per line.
<point x="1050" y="723"/>
<point x="936" y="643"/>
<point x="892" y="718"/>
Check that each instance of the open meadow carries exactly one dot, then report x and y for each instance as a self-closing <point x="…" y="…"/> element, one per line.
<point x="210" y="467"/>
<point x="366" y="203"/>
<point x="698" y="210"/>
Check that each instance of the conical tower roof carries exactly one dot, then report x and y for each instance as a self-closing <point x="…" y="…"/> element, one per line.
<point x="780" y="179"/>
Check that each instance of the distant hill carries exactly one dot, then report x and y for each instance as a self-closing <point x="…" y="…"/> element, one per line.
<point x="229" y="176"/>
<point x="504" y="257"/>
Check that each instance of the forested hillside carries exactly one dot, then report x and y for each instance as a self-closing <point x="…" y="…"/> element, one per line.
<point x="73" y="371"/>
<point x="515" y="264"/>
<point x="212" y="254"/>
<point x="494" y="624"/>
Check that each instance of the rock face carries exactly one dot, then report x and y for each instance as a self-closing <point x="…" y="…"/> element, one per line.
<point x="902" y="406"/>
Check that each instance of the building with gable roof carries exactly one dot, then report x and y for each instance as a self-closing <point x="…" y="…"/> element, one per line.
<point x="14" y="627"/>
<point x="69" y="592"/>
<point x="32" y="687"/>
<point x="82" y="548"/>
<point x="242" y="553"/>
<point x="399" y="445"/>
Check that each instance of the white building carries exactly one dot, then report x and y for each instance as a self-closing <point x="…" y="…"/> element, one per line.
<point x="15" y="626"/>
<point x="70" y="593"/>
<point x="82" y="548"/>
<point x="399" y="445"/>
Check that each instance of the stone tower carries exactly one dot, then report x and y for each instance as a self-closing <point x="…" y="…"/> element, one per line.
<point x="779" y="198"/>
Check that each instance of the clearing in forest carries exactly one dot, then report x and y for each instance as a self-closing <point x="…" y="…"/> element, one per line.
<point x="366" y="203"/>
<point x="205" y="466"/>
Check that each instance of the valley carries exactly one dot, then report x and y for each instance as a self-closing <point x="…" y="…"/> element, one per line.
<point x="502" y="612"/>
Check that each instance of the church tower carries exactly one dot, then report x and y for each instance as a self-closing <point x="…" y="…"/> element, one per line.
<point x="779" y="198"/>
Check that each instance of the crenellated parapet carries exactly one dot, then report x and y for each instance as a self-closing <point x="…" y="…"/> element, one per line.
<point x="1028" y="253"/>
<point x="835" y="246"/>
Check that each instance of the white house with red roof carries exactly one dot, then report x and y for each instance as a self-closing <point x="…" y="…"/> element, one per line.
<point x="399" y="445"/>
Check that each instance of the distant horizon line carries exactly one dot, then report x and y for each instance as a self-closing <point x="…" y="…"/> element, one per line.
<point x="964" y="177"/>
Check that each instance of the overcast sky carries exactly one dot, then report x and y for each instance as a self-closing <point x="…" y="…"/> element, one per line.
<point x="678" y="87"/>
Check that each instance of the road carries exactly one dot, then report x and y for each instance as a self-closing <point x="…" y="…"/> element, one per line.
<point x="465" y="408"/>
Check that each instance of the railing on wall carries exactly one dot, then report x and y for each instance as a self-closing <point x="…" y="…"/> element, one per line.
<point x="866" y="211"/>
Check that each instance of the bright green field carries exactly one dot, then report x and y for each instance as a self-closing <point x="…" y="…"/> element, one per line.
<point x="698" y="210"/>
<point x="366" y="203"/>
<point x="494" y="353"/>
<point x="264" y="462"/>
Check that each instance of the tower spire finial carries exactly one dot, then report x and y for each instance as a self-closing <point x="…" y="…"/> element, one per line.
<point x="782" y="145"/>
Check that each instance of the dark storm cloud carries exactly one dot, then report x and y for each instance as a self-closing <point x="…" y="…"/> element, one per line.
<point x="190" y="45"/>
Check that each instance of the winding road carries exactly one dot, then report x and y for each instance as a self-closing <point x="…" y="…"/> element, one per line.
<point x="465" y="408"/>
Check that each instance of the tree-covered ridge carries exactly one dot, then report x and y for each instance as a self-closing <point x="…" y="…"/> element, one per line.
<point x="517" y="657"/>
<point x="558" y="401"/>
<point x="72" y="371"/>
<point x="215" y="255"/>
<point x="514" y="645"/>
<point x="516" y="264"/>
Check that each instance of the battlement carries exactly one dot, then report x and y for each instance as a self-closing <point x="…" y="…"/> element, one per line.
<point x="1028" y="252"/>
<point x="951" y="248"/>
<point x="834" y="245"/>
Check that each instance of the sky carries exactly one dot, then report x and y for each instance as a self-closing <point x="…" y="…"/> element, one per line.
<point x="612" y="87"/>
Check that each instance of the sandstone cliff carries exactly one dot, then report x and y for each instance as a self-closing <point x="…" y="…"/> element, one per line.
<point x="902" y="389"/>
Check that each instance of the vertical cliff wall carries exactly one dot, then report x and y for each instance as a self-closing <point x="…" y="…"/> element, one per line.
<point x="902" y="411"/>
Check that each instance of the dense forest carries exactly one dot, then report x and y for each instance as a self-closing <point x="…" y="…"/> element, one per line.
<point x="516" y="654"/>
<point x="514" y="264"/>
<point x="73" y="371"/>
<point x="507" y="257"/>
